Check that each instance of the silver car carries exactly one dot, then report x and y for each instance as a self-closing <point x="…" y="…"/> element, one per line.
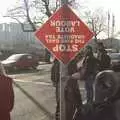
<point x="115" y="61"/>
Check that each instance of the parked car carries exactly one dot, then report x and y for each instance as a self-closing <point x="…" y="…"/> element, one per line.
<point x="110" y="50"/>
<point x="20" y="61"/>
<point x="115" y="61"/>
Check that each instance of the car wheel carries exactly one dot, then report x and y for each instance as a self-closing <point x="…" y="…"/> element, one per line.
<point x="34" y="67"/>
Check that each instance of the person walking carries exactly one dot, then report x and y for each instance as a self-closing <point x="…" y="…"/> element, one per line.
<point x="6" y="95"/>
<point x="90" y="64"/>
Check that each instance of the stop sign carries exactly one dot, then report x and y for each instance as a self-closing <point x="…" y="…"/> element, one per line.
<point x="64" y="34"/>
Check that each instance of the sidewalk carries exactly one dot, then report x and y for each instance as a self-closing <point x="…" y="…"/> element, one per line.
<point x="26" y="108"/>
<point x="42" y="96"/>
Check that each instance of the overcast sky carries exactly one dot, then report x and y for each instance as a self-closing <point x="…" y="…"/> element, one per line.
<point x="112" y="5"/>
<point x="4" y="5"/>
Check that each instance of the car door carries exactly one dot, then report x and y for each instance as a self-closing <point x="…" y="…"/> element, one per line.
<point x="29" y="61"/>
<point x="24" y="61"/>
<point x="21" y="63"/>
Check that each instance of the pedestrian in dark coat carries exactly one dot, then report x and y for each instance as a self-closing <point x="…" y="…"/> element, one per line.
<point x="90" y="65"/>
<point x="73" y="100"/>
<point x="6" y="96"/>
<point x="55" y="77"/>
<point x="72" y="93"/>
<point x="103" y="57"/>
<point x="107" y="96"/>
<point x="106" y="105"/>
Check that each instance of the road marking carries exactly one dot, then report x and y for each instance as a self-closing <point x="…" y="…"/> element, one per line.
<point x="41" y="83"/>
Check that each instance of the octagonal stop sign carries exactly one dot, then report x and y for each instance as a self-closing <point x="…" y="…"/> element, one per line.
<point x="64" y="34"/>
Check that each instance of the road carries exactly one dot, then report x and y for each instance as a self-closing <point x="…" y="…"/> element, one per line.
<point x="26" y="109"/>
<point x="34" y="95"/>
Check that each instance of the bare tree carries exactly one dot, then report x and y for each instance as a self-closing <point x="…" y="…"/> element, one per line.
<point x="97" y="22"/>
<point x="32" y="12"/>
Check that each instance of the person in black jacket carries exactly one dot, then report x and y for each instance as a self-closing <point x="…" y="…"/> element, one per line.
<point x="106" y="105"/>
<point x="73" y="100"/>
<point x="55" y="77"/>
<point x="72" y="93"/>
<point x="103" y="57"/>
<point x="90" y="64"/>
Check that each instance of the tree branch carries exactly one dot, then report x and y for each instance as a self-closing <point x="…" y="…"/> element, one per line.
<point x="46" y="4"/>
<point x="28" y="16"/>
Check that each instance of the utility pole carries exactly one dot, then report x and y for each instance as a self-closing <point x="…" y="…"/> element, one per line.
<point x="113" y="27"/>
<point x="63" y="74"/>
<point x="108" y="25"/>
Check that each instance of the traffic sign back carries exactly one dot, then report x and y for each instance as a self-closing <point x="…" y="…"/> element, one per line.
<point x="64" y="34"/>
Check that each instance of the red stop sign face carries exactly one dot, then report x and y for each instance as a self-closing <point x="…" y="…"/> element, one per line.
<point x="64" y="34"/>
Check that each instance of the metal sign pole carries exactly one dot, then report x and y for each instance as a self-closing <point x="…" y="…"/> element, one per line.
<point x="63" y="73"/>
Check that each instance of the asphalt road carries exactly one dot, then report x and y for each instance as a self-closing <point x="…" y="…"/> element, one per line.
<point x="34" y="95"/>
<point x="26" y="109"/>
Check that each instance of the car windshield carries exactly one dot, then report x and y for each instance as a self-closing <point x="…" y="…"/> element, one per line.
<point x="14" y="57"/>
<point x="115" y="56"/>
